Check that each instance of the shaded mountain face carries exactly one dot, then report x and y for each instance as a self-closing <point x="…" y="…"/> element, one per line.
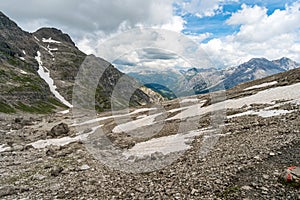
<point x="27" y="58"/>
<point x="200" y="81"/>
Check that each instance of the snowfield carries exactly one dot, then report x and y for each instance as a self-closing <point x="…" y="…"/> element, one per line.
<point x="290" y="92"/>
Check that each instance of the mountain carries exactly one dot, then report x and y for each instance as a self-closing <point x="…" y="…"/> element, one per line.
<point x="253" y="69"/>
<point x="286" y="63"/>
<point x="201" y="81"/>
<point x="38" y="71"/>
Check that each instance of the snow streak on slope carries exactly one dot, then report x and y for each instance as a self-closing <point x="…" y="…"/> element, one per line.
<point x="50" y="40"/>
<point x="261" y="85"/>
<point x="45" y="75"/>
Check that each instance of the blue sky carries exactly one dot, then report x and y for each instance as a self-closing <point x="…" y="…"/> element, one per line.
<point x="229" y="31"/>
<point x="216" y="24"/>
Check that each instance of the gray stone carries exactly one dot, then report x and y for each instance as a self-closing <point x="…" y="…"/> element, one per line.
<point x="59" y="130"/>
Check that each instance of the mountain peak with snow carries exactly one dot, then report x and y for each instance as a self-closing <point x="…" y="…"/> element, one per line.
<point x="53" y="33"/>
<point x="286" y="63"/>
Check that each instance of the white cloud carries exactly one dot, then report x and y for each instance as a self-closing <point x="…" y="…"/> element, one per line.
<point x="248" y="15"/>
<point x="204" y="8"/>
<point x="260" y="35"/>
<point x="79" y="16"/>
<point x="257" y="26"/>
<point x="140" y="60"/>
<point x="201" y="8"/>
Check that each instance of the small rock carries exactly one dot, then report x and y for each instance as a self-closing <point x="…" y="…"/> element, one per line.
<point x="18" y="120"/>
<point x="264" y="189"/>
<point x="194" y="191"/>
<point x="265" y="176"/>
<point x="38" y="177"/>
<point x="50" y="152"/>
<point x="56" y="171"/>
<point x="7" y="190"/>
<point x="257" y="158"/>
<point x="246" y="187"/>
<point x="84" y="167"/>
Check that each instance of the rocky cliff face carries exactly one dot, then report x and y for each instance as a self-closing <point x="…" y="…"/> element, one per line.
<point x="26" y="57"/>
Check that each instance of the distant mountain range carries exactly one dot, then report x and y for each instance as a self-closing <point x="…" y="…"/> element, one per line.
<point x="38" y="71"/>
<point x="172" y="84"/>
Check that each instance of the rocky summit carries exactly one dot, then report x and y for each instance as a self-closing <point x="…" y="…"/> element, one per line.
<point x="240" y="143"/>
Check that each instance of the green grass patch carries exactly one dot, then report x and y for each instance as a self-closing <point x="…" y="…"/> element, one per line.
<point x="57" y="103"/>
<point x="5" y="108"/>
<point x="38" y="107"/>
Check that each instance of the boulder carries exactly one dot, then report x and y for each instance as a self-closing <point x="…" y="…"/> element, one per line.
<point x="61" y="129"/>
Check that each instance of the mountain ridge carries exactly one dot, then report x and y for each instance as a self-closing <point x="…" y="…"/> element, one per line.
<point x="205" y="80"/>
<point x="28" y="59"/>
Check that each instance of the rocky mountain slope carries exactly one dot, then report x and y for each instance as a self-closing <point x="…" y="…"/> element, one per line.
<point x="38" y="71"/>
<point x="231" y="145"/>
<point x="199" y="81"/>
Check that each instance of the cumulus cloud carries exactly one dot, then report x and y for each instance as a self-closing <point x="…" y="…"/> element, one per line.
<point x="80" y="16"/>
<point x="203" y="8"/>
<point x="260" y="35"/>
<point x="150" y="59"/>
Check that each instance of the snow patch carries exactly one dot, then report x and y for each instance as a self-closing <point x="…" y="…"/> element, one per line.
<point x="64" y="112"/>
<point x="62" y="141"/>
<point x="45" y="75"/>
<point x="23" y="72"/>
<point x="50" y="40"/>
<point x="261" y="85"/>
<point x="189" y="101"/>
<point x="4" y="147"/>
<point x="262" y="113"/>
<point x="164" y="145"/>
<point x="132" y="125"/>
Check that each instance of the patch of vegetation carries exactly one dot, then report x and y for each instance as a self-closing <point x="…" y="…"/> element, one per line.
<point x="38" y="107"/>
<point x="230" y="190"/>
<point x="162" y="90"/>
<point x="5" y="108"/>
<point x="57" y="103"/>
